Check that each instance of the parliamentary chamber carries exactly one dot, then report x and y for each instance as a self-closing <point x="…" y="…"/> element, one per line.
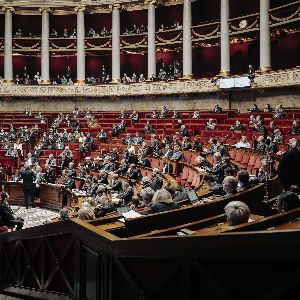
<point x="145" y="258"/>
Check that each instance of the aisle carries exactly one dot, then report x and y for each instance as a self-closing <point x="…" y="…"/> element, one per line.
<point x="34" y="216"/>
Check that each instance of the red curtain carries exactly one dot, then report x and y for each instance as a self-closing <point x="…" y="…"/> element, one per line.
<point x="168" y="15"/>
<point x="97" y="22"/>
<point x="206" y="61"/>
<point x="134" y="63"/>
<point x="28" y="24"/>
<point x="59" y="64"/>
<point x="32" y="63"/>
<point x="59" y="23"/>
<point x="93" y="65"/>
<point x="130" y="18"/>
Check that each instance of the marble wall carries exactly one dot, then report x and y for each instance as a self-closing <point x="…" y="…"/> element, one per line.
<point x="242" y="100"/>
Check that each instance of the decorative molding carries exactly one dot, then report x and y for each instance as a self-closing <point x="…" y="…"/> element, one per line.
<point x="279" y="79"/>
<point x="266" y="80"/>
<point x="80" y="8"/>
<point x="8" y="8"/>
<point x="45" y="9"/>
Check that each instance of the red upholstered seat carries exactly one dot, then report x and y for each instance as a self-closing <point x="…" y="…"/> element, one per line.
<point x="238" y="156"/>
<point x="3" y="229"/>
<point x="245" y="160"/>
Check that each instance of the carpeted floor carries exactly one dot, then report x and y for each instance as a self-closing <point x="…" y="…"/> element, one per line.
<point x="33" y="216"/>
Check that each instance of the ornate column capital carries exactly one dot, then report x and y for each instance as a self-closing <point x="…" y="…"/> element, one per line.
<point x="8" y="8"/>
<point x="80" y="8"/>
<point x="153" y="2"/>
<point x="45" y="9"/>
<point x="116" y="5"/>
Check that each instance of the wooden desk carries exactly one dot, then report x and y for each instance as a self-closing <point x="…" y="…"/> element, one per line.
<point x="15" y="191"/>
<point x="52" y="196"/>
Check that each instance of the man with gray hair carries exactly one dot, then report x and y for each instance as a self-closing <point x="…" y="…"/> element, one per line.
<point x="230" y="184"/>
<point x="147" y="195"/>
<point x="289" y="167"/>
<point x="237" y="212"/>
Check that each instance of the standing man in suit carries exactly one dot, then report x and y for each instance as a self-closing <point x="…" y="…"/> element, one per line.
<point x="28" y="186"/>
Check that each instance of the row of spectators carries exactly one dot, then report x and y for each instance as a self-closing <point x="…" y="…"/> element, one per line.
<point x="135" y="29"/>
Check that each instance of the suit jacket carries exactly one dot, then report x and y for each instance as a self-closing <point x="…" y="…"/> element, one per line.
<point x="28" y="178"/>
<point x="289" y="168"/>
<point x="156" y="183"/>
<point x="126" y="195"/>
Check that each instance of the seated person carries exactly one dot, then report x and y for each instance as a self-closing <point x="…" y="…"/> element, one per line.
<point x="148" y="128"/>
<point x="163" y="113"/>
<point x="167" y="165"/>
<point x="177" y="154"/>
<point x="147" y="194"/>
<point x="278" y="114"/>
<point x="86" y="212"/>
<point x="134" y="117"/>
<point x="287" y="201"/>
<point x="126" y="194"/>
<point x="154" y="115"/>
<point x="254" y="108"/>
<point x="64" y="214"/>
<point x="218" y="109"/>
<point x="7" y="217"/>
<point x="162" y="201"/>
<point x="176" y="115"/>
<point x="136" y="203"/>
<point x="252" y="120"/>
<point x="296" y="127"/>
<point x="243" y="181"/>
<point x="115" y="185"/>
<point x="278" y="137"/>
<point x="210" y="125"/>
<point x="183" y="131"/>
<point x="230" y="184"/>
<point x="237" y="213"/>
<point x="238" y="126"/>
<point x="156" y="180"/>
<point x="102" y="136"/>
<point x="196" y="115"/>
<point x="243" y="143"/>
<point x="268" y="108"/>
<point x="214" y="187"/>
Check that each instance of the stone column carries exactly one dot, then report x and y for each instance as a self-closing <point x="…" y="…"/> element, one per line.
<point x="80" y="45"/>
<point x="45" y="77"/>
<point x="8" y="62"/>
<point x="116" y="78"/>
<point x="187" y="40"/>
<point x="151" y="39"/>
<point x="225" y="39"/>
<point x="265" y="37"/>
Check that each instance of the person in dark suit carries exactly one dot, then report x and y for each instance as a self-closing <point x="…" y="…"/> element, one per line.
<point x="126" y="194"/>
<point x="115" y="184"/>
<point x="49" y="175"/>
<point x="7" y="217"/>
<point x="243" y="179"/>
<point x="162" y="201"/>
<point x="289" y="166"/>
<point x="218" y="109"/>
<point x="167" y="167"/>
<point x="156" y="181"/>
<point x="28" y="186"/>
<point x="214" y="187"/>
